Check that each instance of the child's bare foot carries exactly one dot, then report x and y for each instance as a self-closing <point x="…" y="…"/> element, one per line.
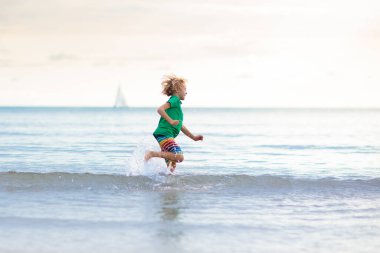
<point x="148" y="155"/>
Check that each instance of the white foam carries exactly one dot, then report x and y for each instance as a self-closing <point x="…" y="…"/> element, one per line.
<point x="137" y="165"/>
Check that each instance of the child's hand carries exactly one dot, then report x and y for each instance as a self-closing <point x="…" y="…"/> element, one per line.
<point x="198" y="138"/>
<point x="174" y="122"/>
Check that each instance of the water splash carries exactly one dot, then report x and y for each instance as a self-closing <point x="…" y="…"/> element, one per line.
<point x="137" y="166"/>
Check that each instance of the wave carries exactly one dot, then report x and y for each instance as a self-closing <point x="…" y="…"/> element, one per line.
<point x="61" y="181"/>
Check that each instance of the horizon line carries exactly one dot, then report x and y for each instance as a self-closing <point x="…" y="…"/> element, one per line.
<point x="195" y="107"/>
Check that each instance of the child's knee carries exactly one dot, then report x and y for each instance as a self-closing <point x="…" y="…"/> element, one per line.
<point x="179" y="158"/>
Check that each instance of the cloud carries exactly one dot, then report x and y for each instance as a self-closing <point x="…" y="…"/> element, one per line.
<point x="5" y="62"/>
<point x="62" y="57"/>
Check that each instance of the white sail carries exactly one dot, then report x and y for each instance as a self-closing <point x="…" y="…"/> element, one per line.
<point x="120" y="99"/>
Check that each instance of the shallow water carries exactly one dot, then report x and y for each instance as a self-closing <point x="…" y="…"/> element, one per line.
<point x="263" y="180"/>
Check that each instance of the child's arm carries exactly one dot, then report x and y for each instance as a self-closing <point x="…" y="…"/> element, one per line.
<point x="190" y="135"/>
<point x="161" y="111"/>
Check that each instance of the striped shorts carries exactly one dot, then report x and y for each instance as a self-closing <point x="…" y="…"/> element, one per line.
<point x="168" y="144"/>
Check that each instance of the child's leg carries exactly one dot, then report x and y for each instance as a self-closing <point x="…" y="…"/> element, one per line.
<point x="172" y="166"/>
<point x="169" y="150"/>
<point x="167" y="155"/>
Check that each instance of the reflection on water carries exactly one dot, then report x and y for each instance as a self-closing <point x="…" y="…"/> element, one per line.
<point x="170" y="209"/>
<point x="170" y="230"/>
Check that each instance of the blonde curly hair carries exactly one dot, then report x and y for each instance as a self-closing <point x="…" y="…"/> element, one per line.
<point x="172" y="84"/>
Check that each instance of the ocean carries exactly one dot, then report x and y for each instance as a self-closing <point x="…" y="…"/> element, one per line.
<point x="263" y="180"/>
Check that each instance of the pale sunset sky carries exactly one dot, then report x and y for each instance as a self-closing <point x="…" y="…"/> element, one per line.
<point x="234" y="53"/>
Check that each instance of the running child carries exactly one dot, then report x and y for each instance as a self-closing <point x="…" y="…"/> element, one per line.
<point x="171" y="123"/>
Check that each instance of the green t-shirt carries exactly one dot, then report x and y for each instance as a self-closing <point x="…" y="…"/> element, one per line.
<point x="175" y="113"/>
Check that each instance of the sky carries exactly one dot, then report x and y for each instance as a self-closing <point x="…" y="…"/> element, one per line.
<point x="234" y="53"/>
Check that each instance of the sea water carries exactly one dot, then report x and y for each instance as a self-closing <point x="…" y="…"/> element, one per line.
<point x="263" y="180"/>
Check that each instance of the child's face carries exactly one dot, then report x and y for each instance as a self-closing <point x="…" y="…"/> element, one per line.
<point x="182" y="93"/>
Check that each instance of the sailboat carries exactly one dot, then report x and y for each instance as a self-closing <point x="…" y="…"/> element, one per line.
<point x="120" y="101"/>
